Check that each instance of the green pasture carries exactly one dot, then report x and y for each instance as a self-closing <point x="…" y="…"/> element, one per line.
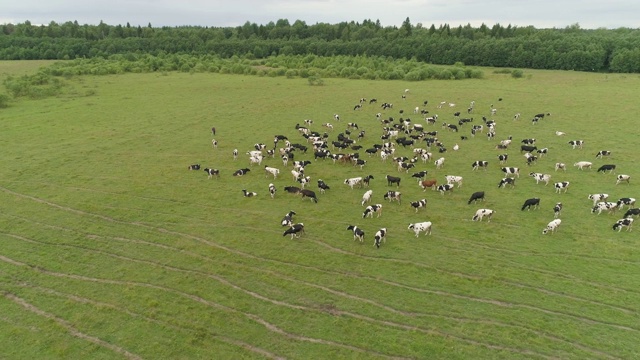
<point x="111" y="248"/>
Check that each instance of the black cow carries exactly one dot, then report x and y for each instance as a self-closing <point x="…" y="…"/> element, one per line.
<point x="194" y="167"/>
<point x="609" y="167"/>
<point x="310" y="194"/>
<point x="529" y="203"/>
<point x="528" y="148"/>
<point x="479" y="195"/>
<point x="393" y="180"/>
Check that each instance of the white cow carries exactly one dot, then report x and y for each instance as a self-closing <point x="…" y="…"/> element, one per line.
<point x="552" y="226"/>
<point x="481" y="213"/>
<point x="421" y="227"/>
<point x="451" y="179"/>
<point x="583" y="164"/>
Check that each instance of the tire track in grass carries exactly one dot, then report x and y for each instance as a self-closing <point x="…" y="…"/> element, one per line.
<point x="72" y="330"/>
<point x="354" y="315"/>
<point x="130" y="313"/>
<point x="198" y="299"/>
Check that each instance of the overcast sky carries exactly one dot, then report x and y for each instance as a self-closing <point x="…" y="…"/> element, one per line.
<point x="539" y="13"/>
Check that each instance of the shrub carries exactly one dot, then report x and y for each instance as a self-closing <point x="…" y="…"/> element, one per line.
<point x="4" y="101"/>
<point x="517" y="73"/>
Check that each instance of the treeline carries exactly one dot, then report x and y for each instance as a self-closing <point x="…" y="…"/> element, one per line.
<point x="570" y="48"/>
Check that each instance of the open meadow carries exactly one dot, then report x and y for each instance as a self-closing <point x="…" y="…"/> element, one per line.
<point x="111" y="248"/>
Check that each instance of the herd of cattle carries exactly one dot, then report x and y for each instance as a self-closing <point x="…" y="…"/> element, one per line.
<point x="399" y="144"/>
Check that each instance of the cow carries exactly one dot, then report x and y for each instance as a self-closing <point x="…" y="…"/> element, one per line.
<point x="428" y="184"/>
<point x="371" y="209"/>
<point x="444" y="188"/>
<point x="420" y="175"/>
<point x="541" y="177"/>
<point x="632" y="212"/>
<point x="194" y="167"/>
<point x="626" y="222"/>
<point x="287" y="219"/>
<point x="576" y="143"/>
<point x="560" y="133"/>
<point x="507" y="181"/>
<point x="479" y="164"/>
<point x="528" y="141"/>
<point x="214" y="143"/>
<point x="453" y="179"/>
<point x="272" y="190"/>
<point x="528" y="148"/>
<point x="511" y="171"/>
<point x="260" y="146"/>
<point x="543" y="151"/>
<point x="602" y="206"/>
<point x="358" y="234"/>
<point x="608" y="167"/>
<point x="439" y="163"/>
<point x="235" y="154"/>
<point x="481" y="213"/>
<point x="241" y="172"/>
<point x="529" y="203"/>
<point x="405" y="166"/>
<point x="602" y="153"/>
<point x="561" y="166"/>
<point x="552" y="226"/>
<point x="621" y="178"/>
<point x="583" y="164"/>
<point x="249" y="193"/>
<point x="212" y="172"/>
<point x="419" y="204"/>
<point x="294" y="230"/>
<point x="353" y="182"/>
<point x="270" y="170"/>
<point x="310" y="194"/>
<point x="626" y="201"/>
<point x="380" y="236"/>
<point x="557" y="209"/>
<point x="213" y="131"/>
<point x="366" y="197"/>
<point x="478" y="195"/>
<point x="561" y="185"/>
<point x="322" y="186"/>
<point x="598" y="197"/>
<point x="421" y="227"/>
<point x="393" y="195"/>
<point x="393" y="180"/>
<point x="292" y="189"/>
<point x="503" y="158"/>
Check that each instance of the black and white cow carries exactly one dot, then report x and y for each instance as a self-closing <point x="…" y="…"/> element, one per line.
<point x="241" y="172"/>
<point x="292" y="189"/>
<point x="557" y="209"/>
<point x="272" y="190"/>
<point x="626" y="201"/>
<point x="439" y="163"/>
<point x="322" y="186"/>
<point x="454" y="179"/>
<point x="503" y="158"/>
<point x="249" y="193"/>
<point x="405" y="166"/>
<point x="507" y="181"/>
<point x="310" y="194"/>
<point x="212" y="172"/>
<point x="420" y="175"/>
<point x="419" y="204"/>
<point x="632" y="212"/>
<point x="479" y="164"/>
<point x="626" y="222"/>
<point x="260" y="146"/>
<point x="194" y="167"/>
<point x="478" y="195"/>
<point x="214" y="143"/>
<point x="608" y="167"/>
<point x="528" y="141"/>
<point x="379" y="237"/>
<point x="598" y="197"/>
<point x="561" y="185"/>
<point x="541" y="177"/>
<point x="576" y="143"/>
<point x="371" y="209"/>
<point x="235" y="154"/>
<point x="288" y="218"/>
<point x="421" y="227"/>
<point x="552" y="226"/>
<point x="294" y="230"/>
<point x="511" y="171"/>
<point x="621" y="178"/>
<point x="604" y="206"/>
<point x="528" y="148"/>
<point x="542" y="152"/>
<point x="356" y="181"/>
<point x="444" y="188"/>
<point x="358" y="234"/>
<point x="529" y="203"/>
<point x="393" y="180"/>
<point x="393" y="195"/>
<point x="482" y="213"/>
<point x="602" y="153"/>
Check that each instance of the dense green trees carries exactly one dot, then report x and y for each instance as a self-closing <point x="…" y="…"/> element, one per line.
<point x="571" y="48"/>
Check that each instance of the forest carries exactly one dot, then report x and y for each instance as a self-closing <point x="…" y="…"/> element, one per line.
<point x="569" y="48"/>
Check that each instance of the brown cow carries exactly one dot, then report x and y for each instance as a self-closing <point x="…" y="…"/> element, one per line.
<point x="428" y="184"/>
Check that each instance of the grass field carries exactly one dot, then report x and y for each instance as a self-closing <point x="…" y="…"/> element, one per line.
<point x="111" y="248"/>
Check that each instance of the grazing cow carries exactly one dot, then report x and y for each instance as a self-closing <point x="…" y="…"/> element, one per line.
<point x="450" y="127"/>
<point x="194" y="167"/>
<point x="626" y="222"/>
<point x="405" y="166"/>
<point x="354" y="181"/>
<point x="428" y="184"/>
<point x="287" y="219"/>
<point x="270" y="170"/>
<point x="507" y="181"/>
<point x="557" y="209"/>
<point x="632" y="212"/>
<point x="552" y="226"/>
<point x="272" y="190"/>
<point x="478" y="195"/>
<point x="482" y="213"/>
<point x="255" y="160"/>
<point x="543" y="151"/>
<point x="528" y="141"/>
<point x="249" y="193"/>
<point x="322" y="186"/>
<point x="444" y="188"/>
<point x="453" y="179"/>
<point x="241" y="172"/>
<point x="529" y="203"/>
<point x="310" y="194"/>
<point x="366" y="179"/>
<point x="576" y="143"/>
<point x="602" y="206"/>
<point x="214" y="143"/>
<point x="583" y="164"/>
<point x="626" y="201"/>
<point x="531" y="159"/>
<point x="561" y="166"/>
<point x="420" y="175"/>
<point x="367" y="197"/>
<point x="294" y="230"/>
<point x="358" y="234"/>
<point x="479" y="164"/>
<point x="602" y="153"/>
<point x="421" y="227"/>
<point x="393" y="180"/>
<point x="439" y="163"/>
<point x="621" y="178"/>
<point x="528" y="148"/>
<point x="541" y="177"/>
<point x="426" y="156"/>
<point x="503" y="158"/>
<point x="212" y="172"/>
<point x="379" y="237"/>
<point x="360" y="162"/>
<point x="561" y="185"/>
<point x="393" y="195"/>
<point x="292" y="189"/>
<point x="419" y="204"/>
<point x="511" y="171"/>
<point x="609" y="167"/>
<point x="235" y="154"/>
<point x="371" y="209"/>
<point x="598" y="197"/>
